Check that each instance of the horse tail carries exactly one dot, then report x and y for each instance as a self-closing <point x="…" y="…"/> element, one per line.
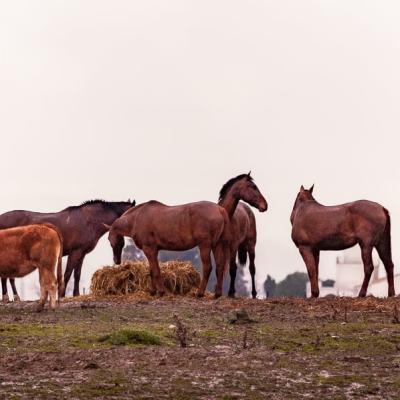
<point x="242" y="254"/>
<point x="387" y="233"/>
<point x="60" y="276"/>
<point x="225" y="240"/>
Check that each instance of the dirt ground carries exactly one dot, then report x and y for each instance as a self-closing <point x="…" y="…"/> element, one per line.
<point x="117" y="348"/>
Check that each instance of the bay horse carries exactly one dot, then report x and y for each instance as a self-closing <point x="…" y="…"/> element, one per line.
<point x="154" y="226"/>
<point x="243" y="230"/>
<point x="26" y="248"/>
<point x="316" y="227"/>
<point x="81" y="228"/>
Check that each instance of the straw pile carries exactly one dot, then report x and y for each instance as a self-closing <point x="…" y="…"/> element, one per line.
<point x="134" y="276"/>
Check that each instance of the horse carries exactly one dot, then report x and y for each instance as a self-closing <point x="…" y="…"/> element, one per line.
<point x="23" y="249"/>
<point x="154" y="226"/>
<point x="317" y="227"/>
<point x="243" y="232"/>
<point x="81" y="228"/>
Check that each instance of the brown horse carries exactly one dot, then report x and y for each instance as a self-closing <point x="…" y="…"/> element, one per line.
<point x="243" y="229"/>
<point x="23" y="249"/>
<point x="316" y="227"/>
<point x="154" y="226"/>
<point x="81" y="228"/>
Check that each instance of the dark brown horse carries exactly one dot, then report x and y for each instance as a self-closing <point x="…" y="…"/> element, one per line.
<point x="26" y="248"/>
<point x="154" y="226"/>
<point x="81" y="228"/>
<point x="243" y="229"/>
<point x="316" y="227"/>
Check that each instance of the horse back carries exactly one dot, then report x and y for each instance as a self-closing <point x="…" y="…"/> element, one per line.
<point x="175" y="227"/>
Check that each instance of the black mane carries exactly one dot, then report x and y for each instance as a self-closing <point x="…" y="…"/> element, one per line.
<point x="94" y="201"/>
<point x="109" y="204"/>
<point x="230" y="183"/>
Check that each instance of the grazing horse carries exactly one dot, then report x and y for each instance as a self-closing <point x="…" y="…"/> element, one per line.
<point x="316" y="227"/>
<point x="25" y="248"/>
<point x="243" y="228"/>
<point x="155" y="226"/>
<point x="81" y="228"/>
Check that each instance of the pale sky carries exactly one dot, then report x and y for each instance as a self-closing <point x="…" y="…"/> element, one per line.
<point x="167" y="100"/>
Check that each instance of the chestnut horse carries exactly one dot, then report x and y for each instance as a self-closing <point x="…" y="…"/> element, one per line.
<point x="316" y="227"/>
<point x="81" y="228"/>
<point x="243" y="230"/>
<point x="155" y="226"/>
<point x="23" y="249"/>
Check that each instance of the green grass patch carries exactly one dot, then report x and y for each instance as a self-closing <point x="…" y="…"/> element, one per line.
<point x="131" y="337"/>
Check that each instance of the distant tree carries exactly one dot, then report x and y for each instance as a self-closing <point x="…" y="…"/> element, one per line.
<point x="269" y="286"/>
<point x="293" y="285"/>
<point x="328" y="283"/>
<point x="131" y="252"/>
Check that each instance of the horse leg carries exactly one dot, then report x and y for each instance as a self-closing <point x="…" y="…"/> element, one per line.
<point x="252" y="268"/>
<point x="157" y="283"/>
<point x="43" y="291"/>
<point x="74" y="259"/>
<point x="52" y="288"/>
<point x="77" y="275"/>
<point x="232" y="273"/>
<point x="312" y="268"/>
<point x="221" y="254"/>
<point x="205" y="255"/>
<point x="6" y="299"/>
<point x="14" y="289"/>
<point x="366" y="254"/>
<point x="384" y="251"/>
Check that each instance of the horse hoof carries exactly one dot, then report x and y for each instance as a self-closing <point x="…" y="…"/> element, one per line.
<point x="231" y="295"/>
<point x="6" y="299"/>
<point x="199" y="295"/>
<point x="17" y="298"/>
<point x="217" y="295"/>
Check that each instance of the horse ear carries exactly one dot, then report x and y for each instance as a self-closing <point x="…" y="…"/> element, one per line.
<point x="302" y="188"/>
<point x="249" y="174"/>
<point x="311" y="189"/>
<point x="133" y="203"/>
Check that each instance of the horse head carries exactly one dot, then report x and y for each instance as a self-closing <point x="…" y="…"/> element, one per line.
<point x="117" y="243"/>
<point x="243" y="188"/>
<point x="303" y="196"/>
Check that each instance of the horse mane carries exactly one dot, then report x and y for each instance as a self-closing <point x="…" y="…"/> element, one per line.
<point x="99" y="201"/>
<point x="230" y="183"/>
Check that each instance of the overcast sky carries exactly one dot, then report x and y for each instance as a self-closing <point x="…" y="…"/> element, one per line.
<point x="167" y="100"/>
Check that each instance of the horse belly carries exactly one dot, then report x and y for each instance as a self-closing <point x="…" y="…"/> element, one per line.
<point x="336" y="242"/>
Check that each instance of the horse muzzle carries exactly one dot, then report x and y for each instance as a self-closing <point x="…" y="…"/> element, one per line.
<point x="263" y="207"/>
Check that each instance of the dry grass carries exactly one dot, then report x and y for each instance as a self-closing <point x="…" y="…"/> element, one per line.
<point x="134" y="277"/>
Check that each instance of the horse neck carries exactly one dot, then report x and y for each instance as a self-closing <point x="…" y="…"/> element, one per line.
<point x="121" y="227"/>
<point x="97" y="217"/>
<point x="230" y="202"/>
<point x="304" y="205"/>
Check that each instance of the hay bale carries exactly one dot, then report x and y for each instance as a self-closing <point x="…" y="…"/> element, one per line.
<point x="134" y="276"/>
